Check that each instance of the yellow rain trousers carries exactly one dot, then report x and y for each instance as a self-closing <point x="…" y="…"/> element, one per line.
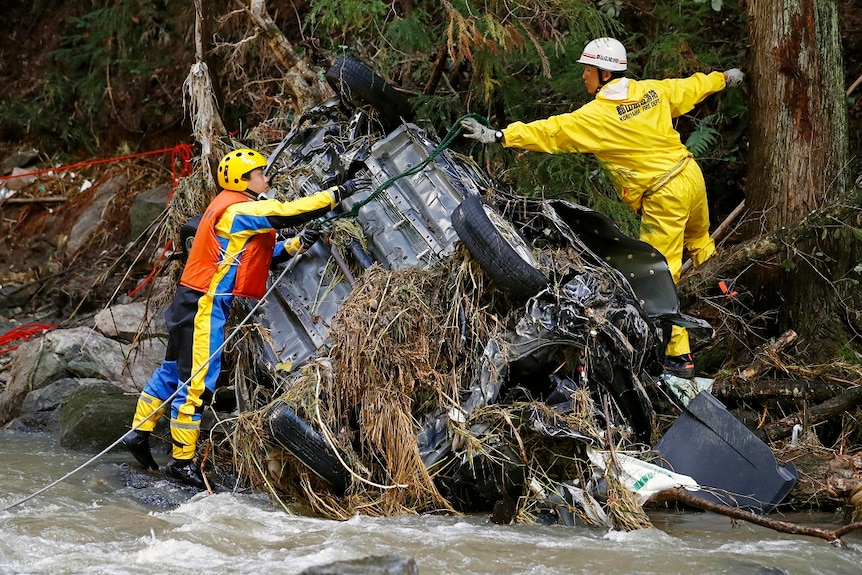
<point x="629" y="128"/>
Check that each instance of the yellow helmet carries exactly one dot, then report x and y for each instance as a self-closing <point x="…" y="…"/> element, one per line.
<point x="234" y="165"/>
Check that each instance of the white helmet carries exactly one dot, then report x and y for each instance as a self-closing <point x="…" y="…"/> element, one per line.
<point x="605" y="54"/>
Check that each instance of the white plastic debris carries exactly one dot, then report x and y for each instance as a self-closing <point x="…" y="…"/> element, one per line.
<point x="686" y="389"/>
<point x="794" y="440"/>
<point x="642" y="478"/>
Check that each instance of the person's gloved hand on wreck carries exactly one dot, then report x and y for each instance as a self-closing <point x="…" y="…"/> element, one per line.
<point x="298" y="244"/>
<point x="474" y="130"/>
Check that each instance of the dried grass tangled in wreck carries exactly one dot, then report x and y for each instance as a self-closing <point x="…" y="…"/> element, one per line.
<point x="404" y="346"/>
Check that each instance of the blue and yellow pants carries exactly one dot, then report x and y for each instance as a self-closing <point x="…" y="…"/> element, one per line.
<point x="196" y="323"/>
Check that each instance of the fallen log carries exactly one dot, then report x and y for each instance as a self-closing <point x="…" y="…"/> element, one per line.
<point x="682" y="496"/>
<point x="821" y="412"/>
<point x="300" y="81"/>
<point x="815" y="391"/>
<point x="761" y="249"/>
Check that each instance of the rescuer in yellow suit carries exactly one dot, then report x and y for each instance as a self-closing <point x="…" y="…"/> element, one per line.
<point x="629" y="128"/>
<point x="233" y="247"/>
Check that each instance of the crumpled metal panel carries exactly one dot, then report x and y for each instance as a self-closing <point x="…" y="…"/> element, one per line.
<point x="409" y="222"/>
<point x="299" y="311"/>
<point x="642" y="266"/>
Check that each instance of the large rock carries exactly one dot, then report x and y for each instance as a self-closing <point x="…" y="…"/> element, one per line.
<point x="18" y="160"/>
<point x="77" y="353"/>
<point x="19" y="182"/>
<point x="40" y="410"/>
<point x="374" y="565"/>
<point x="95" y="416"/>
<point x="91" y="220"/>
<point x="125" y="321"/>
<point x="147" y="207"/>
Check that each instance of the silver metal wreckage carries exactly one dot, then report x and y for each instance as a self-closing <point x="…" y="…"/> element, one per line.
<point x="612" y="308"/>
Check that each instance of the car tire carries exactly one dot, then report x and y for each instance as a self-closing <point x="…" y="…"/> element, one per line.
<point x="187" y="236"/>
<point x="292" y="433"/>
<point x="356" y="83"/>
<point x="498" y="247"/>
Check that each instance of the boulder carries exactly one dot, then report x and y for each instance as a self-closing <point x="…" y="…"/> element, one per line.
<point x="91" y="221"/>
<point x="95" y="416"/>
<point x="77" y="353"/>
<point x="40" y="409"/>
<point x="373" y="565"/>
<point x="147" y="207"/>
<point x="124" y="321"/>
<point x="18" y="160"/>
<point x="20" y="180"/>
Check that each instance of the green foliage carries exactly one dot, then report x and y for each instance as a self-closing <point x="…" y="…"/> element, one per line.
<point x="412" y="34"/>
<point x="690" y="37"/>
<point x="102" y="50"/>
<point x="849" y="355"/>
<point x="328" y="17"/>
<point x="438" y="111"/>
<point x="703" y="137"/>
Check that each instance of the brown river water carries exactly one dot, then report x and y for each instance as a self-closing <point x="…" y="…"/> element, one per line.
<point x="99" y="521"/>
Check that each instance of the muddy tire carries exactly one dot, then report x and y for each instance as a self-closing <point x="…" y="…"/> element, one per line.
<point x="187" y="236"/>
<point x="498" y="247"/>
<point x="356" y="83"/>
<point x="293" y="434"/>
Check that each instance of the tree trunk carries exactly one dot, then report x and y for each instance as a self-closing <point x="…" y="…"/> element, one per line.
<point x="798" y="160"/>
<point x="301" y="82"/>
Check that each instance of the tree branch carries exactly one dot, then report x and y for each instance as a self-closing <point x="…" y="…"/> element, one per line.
<point x="682" y="496"/>
<point x="767" y="246"/>
<point x="301" y="81"/>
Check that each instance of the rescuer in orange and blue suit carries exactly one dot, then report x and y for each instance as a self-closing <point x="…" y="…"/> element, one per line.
<point x="233" y="248"/>
<point x="629" y="128"/>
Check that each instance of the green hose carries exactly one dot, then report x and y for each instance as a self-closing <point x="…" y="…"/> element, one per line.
<point x="453" y="133"/>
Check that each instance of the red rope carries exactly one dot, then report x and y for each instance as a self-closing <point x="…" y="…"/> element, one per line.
<point x="22" y="333"/>
<point x="181" y="155"/>
<point x="183" y="150"/>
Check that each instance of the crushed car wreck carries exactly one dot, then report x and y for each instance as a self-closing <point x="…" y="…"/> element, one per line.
<point x="450" y="345"/>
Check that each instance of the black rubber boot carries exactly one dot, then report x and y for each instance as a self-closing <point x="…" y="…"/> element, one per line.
<point x="680" y="365"/>
<point x="138" y="444"/>
<point x="185" y="471"/>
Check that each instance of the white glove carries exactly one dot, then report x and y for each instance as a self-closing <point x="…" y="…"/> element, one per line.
<point x="476" y="131"/>
<point x="733" y="77"/>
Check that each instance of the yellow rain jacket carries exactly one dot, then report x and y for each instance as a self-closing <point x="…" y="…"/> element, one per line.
<point x="629" y="128"/>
